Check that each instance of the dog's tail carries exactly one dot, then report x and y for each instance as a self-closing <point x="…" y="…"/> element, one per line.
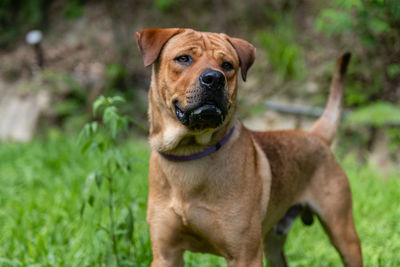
<point x="326" y="126"/>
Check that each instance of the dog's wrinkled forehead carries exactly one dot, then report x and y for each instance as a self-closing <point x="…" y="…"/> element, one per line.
<point x="153" y="42"/>
<point x="190" y="41"/>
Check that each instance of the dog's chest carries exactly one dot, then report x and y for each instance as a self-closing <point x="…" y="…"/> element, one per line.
<point x="197" y="189"/>
<point x="192" y="187"/>
<point x="192" y="213"/>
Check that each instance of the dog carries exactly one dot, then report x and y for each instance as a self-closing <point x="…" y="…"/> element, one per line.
<point x="216" y="186"/>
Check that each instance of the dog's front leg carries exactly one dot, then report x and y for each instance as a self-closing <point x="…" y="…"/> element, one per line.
<point x="167" y="257"/>
<point x="165" y="229"/>
<point x="166" y="251"/>
<point x="248" y="258"/>
<point x="245" y="248"/>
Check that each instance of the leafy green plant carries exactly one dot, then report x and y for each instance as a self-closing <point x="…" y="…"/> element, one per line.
<point x="368" y="19"/>
<point x="376" y="114"/>
<point x="119" y="82"/>
<point x="379" y="115"/>
<point x="284" y="55"/>
<point x="102" y="138"/>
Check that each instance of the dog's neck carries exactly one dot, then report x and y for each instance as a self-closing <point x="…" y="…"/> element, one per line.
<point x="209" y="150"/>
<point x="178" y="141"/>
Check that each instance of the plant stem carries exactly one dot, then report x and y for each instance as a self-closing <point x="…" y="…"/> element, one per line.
<point x="112" y="223"/>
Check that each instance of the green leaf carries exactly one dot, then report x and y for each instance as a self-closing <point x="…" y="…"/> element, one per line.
<point x="86" y="145"/>
<point x="94" y="126"/>
<point x="103" y="228"/>
<point x="109" y="158"/>
<point x="85" y="133"/>
<point x="82" y="209"/>
<point x="332" y="22"/>
<point x="129" y="221"/>
<point x="137" y="124"/>
<point x="110" y="114"/>
<point x="117" y="99"/>
<point x="376" y="114"/>
<point x="112" y="119"/>
<point x="98" y="179"/>
<point x="120" y="161"/>
<point x="378" y="26"/>
<point x="102" y="146"/>
<point x="91" y="200"/>
<point x="393" y="70"/>
<point x="101" y="100"/>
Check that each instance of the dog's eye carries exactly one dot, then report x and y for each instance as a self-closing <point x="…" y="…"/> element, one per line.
<point x="226" y="66"/>
<point x="184" y="60"/>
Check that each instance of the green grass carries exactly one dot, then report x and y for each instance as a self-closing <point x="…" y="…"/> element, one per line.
<point x="44" y="183"/>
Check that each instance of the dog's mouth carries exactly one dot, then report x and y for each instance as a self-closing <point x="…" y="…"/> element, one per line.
<point x="208" y="115"/>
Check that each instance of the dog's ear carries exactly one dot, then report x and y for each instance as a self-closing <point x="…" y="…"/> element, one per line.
<point x="151" y="40"/>
<point x="246" y="53"/>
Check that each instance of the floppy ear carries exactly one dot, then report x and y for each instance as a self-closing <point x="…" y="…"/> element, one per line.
<point x="246" y="53"/>
<point x="152" y="40"/>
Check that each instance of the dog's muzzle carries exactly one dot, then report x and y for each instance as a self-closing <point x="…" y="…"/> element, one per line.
<point x="207" y="104"/>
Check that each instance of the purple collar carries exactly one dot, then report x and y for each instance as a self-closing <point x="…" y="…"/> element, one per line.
<point x="204" y="153"/>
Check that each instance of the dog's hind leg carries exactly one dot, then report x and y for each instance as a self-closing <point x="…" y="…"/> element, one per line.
<point x="343" y="235"/>
<point x="334" y="210"/>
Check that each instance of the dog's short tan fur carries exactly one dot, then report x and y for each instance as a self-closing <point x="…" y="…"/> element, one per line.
<point x="228" y="202"/>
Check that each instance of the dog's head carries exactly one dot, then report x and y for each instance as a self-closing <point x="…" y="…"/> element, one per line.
<point x="194" y="81"/>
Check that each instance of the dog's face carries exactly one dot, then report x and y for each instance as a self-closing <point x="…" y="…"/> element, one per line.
<point x="194" y="74"/>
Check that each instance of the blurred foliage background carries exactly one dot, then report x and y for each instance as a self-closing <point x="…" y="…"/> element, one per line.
<point x="89" y="49"/>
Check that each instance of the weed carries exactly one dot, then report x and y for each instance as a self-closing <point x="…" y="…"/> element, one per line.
<point x="102" y="139"/>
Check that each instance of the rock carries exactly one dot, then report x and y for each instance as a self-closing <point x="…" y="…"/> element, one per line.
<point x="20" y="112"/>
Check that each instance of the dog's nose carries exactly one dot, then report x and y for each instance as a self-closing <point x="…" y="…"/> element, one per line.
<point x="212" y="79"/>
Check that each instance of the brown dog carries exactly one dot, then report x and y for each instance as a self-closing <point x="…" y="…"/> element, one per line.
<point x="217" y="187"/>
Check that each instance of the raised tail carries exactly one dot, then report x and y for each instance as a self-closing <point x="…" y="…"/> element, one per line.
<point x="326" y="126"/>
